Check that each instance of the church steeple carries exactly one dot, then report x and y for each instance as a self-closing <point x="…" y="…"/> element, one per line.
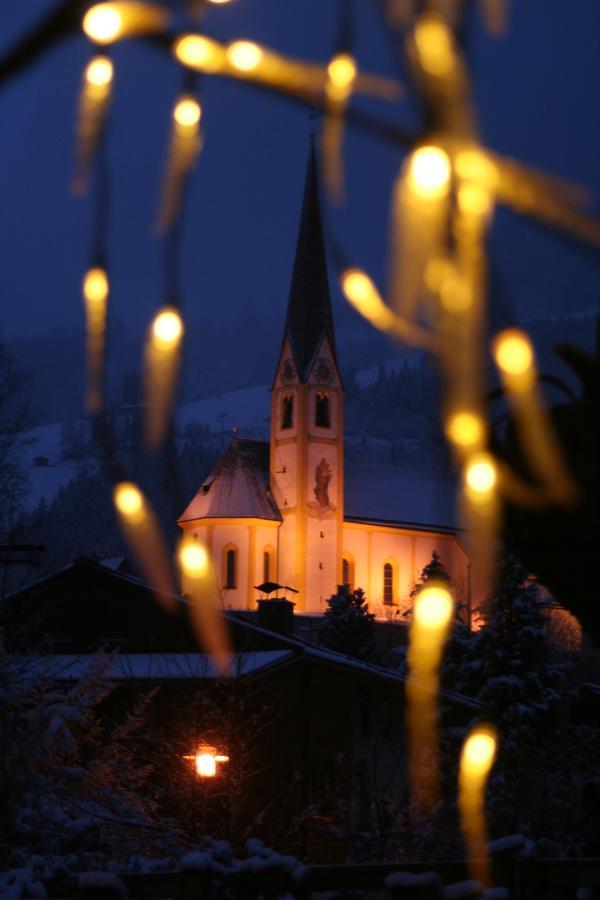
<point x="309" y="307"/>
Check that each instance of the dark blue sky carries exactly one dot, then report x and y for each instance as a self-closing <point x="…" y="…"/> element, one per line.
<point x="538" y="91"/>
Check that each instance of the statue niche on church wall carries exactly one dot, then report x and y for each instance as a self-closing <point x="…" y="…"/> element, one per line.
<point x="321" y="506"/>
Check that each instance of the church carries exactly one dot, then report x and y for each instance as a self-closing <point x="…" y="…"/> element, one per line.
<point x="292" y="511"/>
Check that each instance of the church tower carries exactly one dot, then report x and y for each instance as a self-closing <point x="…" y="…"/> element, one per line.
<point x="307" y="423"/>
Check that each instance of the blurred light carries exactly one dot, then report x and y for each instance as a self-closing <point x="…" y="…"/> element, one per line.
<point x="474" y="199"/>
<point x="465" y="429"/>
<point x="103" y="23"/>
<point x="95" y="286"/>
<point x="434" y="45"/>
<point x="358" y="287"/>
<point x="478" y="753"/>
<point x="513" y="352"/>
<point x="429" y="172"/>
<point x="187" y="112"/>
<point x="193" y="559"/>
<point x="219" y="2"/>
<point x="433" y="608"/>
<point x="167" y="328"/>
<point x="474" y="165"/>
<point x="206" y="765"/>
<point x="455" y="293"/>
<point x="199" y="52"/>
<point x="99" y="71"/>
<point x="244" y="55"/>
<point x="342" y="70"/>
<point x="481" y="475"/>
<point x="129" y="500"/>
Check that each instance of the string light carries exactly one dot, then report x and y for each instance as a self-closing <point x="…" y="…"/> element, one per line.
<point x="193" y="559"/>
<point x="435" y="46"/>
<point x="476" y="761"/>
<point x="105" y="23"/>
<point x="187" y="113"/>
<point x="99" y="71"/>
<point x="244" y="55"/>
<point x="161" y="371"/>
<point x="433" y="609"/>
<point x="465" y="429"/>
<point x="129" y="501"/>
<point x="513" y="352"/>
<point x="429" y="172"/>
<point x="200" y="52"/>
<point x="167" y="329"/>
<point x="481" y="476"/>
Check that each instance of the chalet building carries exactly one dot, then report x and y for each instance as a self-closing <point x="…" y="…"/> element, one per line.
<point x="311" y="729"/>
<point x="292" y="510"/>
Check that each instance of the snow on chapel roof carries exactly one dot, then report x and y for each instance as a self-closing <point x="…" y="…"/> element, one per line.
<point x="237" y="486"/>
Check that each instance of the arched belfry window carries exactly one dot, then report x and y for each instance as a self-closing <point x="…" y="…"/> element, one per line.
<point x="268" y="563"/>
<point x="287" y="411"/>
<point x="389" y="583"/>
<point x="230" y="567"/>
<point x="322" y="410"/>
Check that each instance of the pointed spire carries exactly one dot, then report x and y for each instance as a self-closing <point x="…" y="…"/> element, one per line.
<point x="309" y="306"/>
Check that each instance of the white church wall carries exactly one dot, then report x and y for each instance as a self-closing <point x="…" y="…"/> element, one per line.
<point x="285" y="475"/>
<point x="238" y="537"/>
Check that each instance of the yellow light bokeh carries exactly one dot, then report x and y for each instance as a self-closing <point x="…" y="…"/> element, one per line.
<point x="474" y="199"/>
<point x="429" y="172"/>
<point x="465" y="429"/>
<point x="193" y="559"/>
<point x="433" y="608"/>
<point x="434" y="46"/>
<point x="167" y="328"/>
<point x="206" y="764"/>
<point x="513" y="352"/>
<point x="95" y="285"/>
<point x="99" y="71"/>
<point x="129" y="500"/>
<point x="481" y="475"/>
<point x="478" y="753"/>
<point x="244" y="55"/>
<point x="474" y="165"/>
<point x="103" y="23"/>
<point x="342" y="70"/>
<point x="187" y="112"/>
<point x="357" y="286"/>
<point x="200" y="52"/>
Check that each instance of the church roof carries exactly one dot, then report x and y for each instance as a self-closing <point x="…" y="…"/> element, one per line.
<point x="398" y="496"/>
<point x="237" y="486"/>
<point x="309" y="315"/>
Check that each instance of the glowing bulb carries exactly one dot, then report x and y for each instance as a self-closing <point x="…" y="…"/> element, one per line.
<point x="342" y="70"/>
<point x="103" y="23"/>
<point x="434" y="45"/>
<point x="429" y="172"/>
<point x="129" y="500"/>
<point x="167" y="328"/>
<point x="474" y="199"/>
<point x="357" y="286"/>
<point x="481" y="475"/>
<point x="513" y="352"/>
<point x="465" y="429"/>
<point x="455" y="294"/>
<point x="433" y="608"/>
<point x="99" y="71"/>
<point x="193" y="559"/>
<point x="95" y="285"/>
<point x="478" y="753"/>
<point x="187" y="112"/>
<point x="199" y="52"/>
<point x="244" y="55"/>
<point x="206" y="764"/>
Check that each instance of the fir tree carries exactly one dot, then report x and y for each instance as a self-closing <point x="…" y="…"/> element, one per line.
<point x="434" y="571"/>
<point x="348" y="626"/>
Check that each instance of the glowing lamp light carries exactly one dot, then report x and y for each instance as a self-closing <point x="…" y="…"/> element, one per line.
<point x="99" y="71"/>
<point x="434" y="46"/>
<point x="193" y="559"/>
<point x="481" y="476"/>
<point x="199" y="52"/>
<point x="129" y="501"/>
<point x="513" y="352"/>
<point x="167" y="328"/>
<point x="433" y="608"/>
<point x="478" y="753"/>
<point x="465" y="429"/>
<point x="103" y="23"/>
<point x="187" y="112"/>
<point x="95" y="286"/>
<point x="205" y="761"/>
<point x="429" y="172"/>
<point x="342" y="70"/>
<point x="358" y="287"/>
<point x="244" y="55"/>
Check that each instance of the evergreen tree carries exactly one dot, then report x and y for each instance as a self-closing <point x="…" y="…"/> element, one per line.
<point x="348" y="626"/>
<point x="434" y="571"/>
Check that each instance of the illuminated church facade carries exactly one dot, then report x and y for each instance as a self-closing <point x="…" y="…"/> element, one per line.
<point x="291" y="510"/>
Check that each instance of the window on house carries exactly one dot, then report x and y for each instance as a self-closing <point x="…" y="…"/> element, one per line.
<point x="230" y="569"/>
<point x="388" y="584"/>
<point x="267" y="566"/>
<point x="287" y="411"/>
<point x="348" y="572"/>
<point x="322" y="410"/>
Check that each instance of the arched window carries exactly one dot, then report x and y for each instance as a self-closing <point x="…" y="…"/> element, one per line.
<point x="388" y="584"/>
<point x="287" y="411"/>
<point x="268" y="564"/>
<point x="348" y="571"/>
<point x="322" y="410"/>
<point x="230" y="568"/>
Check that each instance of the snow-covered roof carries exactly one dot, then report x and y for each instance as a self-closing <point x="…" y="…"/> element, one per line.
<point x="140" y="666"/>
<point x="398" y="496"/>
<point x="237" y="486"/>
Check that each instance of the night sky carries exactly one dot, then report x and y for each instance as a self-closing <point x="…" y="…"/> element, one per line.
<point x="538" y="92"/>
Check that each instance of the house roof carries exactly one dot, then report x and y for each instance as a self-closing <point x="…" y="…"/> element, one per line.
<point x="237" y="486"/>
<point x="309" y="316"/>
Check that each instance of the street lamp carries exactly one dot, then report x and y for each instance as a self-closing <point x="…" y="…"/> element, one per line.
<point x="206" y="759"/>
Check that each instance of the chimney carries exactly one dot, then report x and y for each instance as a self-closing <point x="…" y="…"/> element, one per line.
<point x="277" y="615"/>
